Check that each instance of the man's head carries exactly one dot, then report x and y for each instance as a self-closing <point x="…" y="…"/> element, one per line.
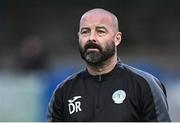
<point x="99" y="36"/>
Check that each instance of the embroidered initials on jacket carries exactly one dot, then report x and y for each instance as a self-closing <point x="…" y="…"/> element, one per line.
<point x="74" y="105"/>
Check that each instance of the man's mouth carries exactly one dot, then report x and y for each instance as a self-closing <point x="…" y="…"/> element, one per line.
<point x="92" y="49"/>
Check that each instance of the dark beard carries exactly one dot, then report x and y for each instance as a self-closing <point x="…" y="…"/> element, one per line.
<point x="96" y="58"/>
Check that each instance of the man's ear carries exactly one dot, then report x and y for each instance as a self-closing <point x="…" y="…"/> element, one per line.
<point x="78" y="34"/>
<point x="118" y="38"/>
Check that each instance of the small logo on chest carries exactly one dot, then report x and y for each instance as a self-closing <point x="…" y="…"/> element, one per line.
<point x="119" y="96"/>
<point x="74" y="105"/>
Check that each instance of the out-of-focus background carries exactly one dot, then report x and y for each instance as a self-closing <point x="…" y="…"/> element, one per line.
<point x="39" y="48"/>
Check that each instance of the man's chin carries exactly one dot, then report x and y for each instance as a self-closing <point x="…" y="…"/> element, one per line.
<point x="95" y="64"/>
<point x="94" y="61"/>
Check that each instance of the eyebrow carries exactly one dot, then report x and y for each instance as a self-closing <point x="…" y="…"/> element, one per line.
<point x="102" y="27"/>
<point x="84" y="28"/>
<point x="97" y="27"/>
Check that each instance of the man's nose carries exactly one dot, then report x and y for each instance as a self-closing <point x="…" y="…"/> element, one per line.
<point x="92" y="36"/>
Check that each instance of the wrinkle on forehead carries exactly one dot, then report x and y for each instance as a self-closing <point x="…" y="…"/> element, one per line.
<point x="102" y="13"/>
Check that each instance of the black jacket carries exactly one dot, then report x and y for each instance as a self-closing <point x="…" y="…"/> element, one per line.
<point x="124" y="94"/>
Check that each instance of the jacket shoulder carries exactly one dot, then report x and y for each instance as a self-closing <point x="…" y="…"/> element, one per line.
<point x="70" y="78"/>
<point x="157" y="90"/>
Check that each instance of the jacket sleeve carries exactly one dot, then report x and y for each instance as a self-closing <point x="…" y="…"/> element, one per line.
<point x="155" y="106"/>
<point x="55" y="107"/>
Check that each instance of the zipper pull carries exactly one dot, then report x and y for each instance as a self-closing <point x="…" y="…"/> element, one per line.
<point x="100" y="78"/>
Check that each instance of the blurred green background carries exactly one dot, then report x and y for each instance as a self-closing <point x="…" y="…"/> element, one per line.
<point x="39" y="48"/>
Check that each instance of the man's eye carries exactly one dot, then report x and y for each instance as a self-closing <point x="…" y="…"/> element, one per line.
<point x="84" y="32"/>
<point x="101" y="31"/>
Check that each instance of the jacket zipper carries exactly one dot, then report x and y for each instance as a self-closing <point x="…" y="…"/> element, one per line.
<point x="98" y="92"/>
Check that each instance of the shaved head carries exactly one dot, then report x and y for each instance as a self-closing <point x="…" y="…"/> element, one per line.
<point x="101" y="12"/>
<point x="99" y="36"/>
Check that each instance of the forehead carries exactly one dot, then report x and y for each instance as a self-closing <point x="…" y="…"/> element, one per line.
<point x="96" y="19"/>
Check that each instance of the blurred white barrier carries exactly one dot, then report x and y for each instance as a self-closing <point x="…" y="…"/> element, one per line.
<point x="173" y="91"/>
<point x="20" y="97"/>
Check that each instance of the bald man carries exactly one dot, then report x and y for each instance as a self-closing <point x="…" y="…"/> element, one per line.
<point x="107" y="90"/>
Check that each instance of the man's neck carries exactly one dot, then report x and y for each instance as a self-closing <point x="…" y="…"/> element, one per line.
<point x="106" y="67"/>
